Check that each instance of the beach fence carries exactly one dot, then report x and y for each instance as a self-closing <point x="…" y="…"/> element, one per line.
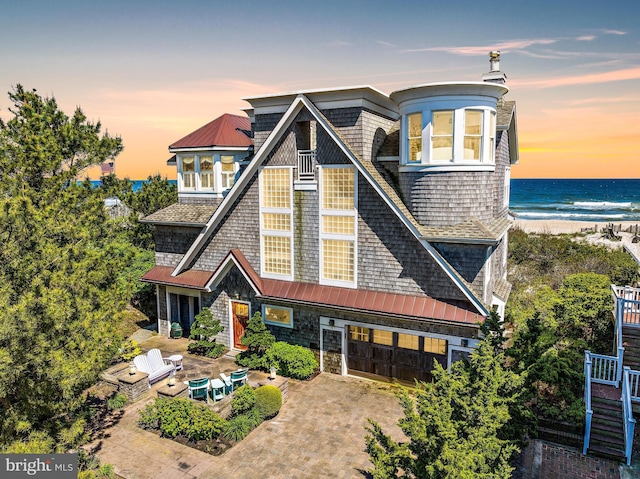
<point x="613" y="228"/>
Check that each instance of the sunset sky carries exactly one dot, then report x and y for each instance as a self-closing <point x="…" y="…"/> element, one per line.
<point x="154" y="71"/>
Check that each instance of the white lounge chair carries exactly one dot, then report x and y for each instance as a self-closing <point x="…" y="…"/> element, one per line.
<point x="154" y="365"/>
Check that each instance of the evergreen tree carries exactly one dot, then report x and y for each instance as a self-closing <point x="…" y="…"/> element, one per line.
<point x="60" y="302"/>
<point x="454" y="425"/>
<point x="258" y="339"/>
<point x="204" y="331"/>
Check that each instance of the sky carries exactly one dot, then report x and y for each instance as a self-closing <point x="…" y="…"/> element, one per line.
<point x="153" y="71"/>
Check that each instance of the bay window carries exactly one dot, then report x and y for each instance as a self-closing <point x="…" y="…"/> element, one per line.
<point x="228" y="171"/>
<point x="451" y="136"/>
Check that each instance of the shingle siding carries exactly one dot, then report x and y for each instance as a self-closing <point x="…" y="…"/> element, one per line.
<point x="468" y="260"/>
<point x="172" y="242"/>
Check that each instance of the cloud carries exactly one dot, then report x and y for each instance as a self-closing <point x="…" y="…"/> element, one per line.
<point x="587" y="79"/>
<point x="386" y="44"/>
<point x="586" y="38"/>
<point x="611" y="32"/>
<point x="603" y="100"/>
<point x="338" y="43"/>
<point x="481" y="50"/>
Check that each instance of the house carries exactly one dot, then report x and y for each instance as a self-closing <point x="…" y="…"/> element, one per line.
<point x="371" y="228"/>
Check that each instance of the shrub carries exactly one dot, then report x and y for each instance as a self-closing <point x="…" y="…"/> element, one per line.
<point x="117" y="401"/>
<point x="258" y="340"/>
<point x="243" y="400"/>
<point x="291" y="360"/>
<point x="237" y="428"/>
<point x="129" y="350"/>
<point x="204" y="331"/>
<point x="181" y="417"/>
<point x="268" y="400"/>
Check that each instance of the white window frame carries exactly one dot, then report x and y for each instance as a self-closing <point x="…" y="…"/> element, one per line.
<point x="195" y="173"/>
<point x="285" y="234"/>
<point x="223" y="174"/>
<point x="199" y="173"/>
<point x="339" y="237"/>
<point x="275" y="323"/>
<point x="487" y="153"/>
<point x="507" y="186"/>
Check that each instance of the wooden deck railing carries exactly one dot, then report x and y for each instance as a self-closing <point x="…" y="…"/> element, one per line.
<point x="628" y="420"/>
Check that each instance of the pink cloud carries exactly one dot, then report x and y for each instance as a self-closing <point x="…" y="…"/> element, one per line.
<point x="481" y="50"/>
<point x="589" y="78"/>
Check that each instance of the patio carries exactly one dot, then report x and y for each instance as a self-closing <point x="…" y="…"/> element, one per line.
<point x="318" y="433"/>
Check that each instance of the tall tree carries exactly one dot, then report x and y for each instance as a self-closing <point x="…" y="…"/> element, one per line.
<point x="453" y="425"/>
<point x="59" y="298"/>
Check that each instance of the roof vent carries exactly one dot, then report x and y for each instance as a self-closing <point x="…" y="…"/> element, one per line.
<point x="494" y="75"/>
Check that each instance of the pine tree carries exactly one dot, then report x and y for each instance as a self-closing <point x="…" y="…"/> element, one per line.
<point x="204" y="331"/>
<point x="453" y="424"/>
<point x="258" y="339"/>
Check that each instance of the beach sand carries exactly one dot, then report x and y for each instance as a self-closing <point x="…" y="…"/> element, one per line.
<point x="555" y="227"/>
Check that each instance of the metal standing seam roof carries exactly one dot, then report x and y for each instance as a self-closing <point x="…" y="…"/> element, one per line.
<point x="225" y="131"/>
<point x="361" y="300"/>
<point x="189" y="279"/>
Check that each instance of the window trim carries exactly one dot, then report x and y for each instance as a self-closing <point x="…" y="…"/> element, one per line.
<point x="487" y="159"/>
<point x="275" y="323"/>
<point x="279" y="233"/>
<point x="322" y="212"/>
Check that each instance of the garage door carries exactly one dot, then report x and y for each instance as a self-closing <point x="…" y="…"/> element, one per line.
<point x="393" y="355"/>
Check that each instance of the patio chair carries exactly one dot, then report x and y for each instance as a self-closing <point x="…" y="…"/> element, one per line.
<point x="238" y="377"/>
<point x="153" y="364"/>
<point x="199" y="388"/>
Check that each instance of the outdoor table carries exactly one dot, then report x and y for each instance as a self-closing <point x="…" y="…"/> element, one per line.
<point x="176" y="360"/>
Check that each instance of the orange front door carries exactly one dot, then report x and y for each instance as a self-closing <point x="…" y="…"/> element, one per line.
<point x="240" y="313"/>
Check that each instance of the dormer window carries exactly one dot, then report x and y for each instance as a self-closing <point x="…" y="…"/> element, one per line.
<point x="228" y="171"/>
<point x="206" y="172"/>
<point x="189" y="173"/>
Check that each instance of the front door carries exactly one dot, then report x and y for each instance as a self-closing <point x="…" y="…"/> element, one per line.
<point x="240" y="315"/>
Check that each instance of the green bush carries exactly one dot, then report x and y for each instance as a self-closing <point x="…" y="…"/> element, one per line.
<point x="129" y="350"/>
<point x="117" y="401"/>
<point x="181" y="417"/>
<point x="291" y="360"/>
<point x="243" y="400"/>
<point x="204" y="331"/>
<point x="237" y="428"/>
<point x="258" y="340"/>
<point x="268" y="400"/>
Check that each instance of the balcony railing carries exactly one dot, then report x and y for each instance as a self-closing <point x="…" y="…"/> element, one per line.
<point x="306" y="165"/>
<point x="626" y="306"/>
<point x="629" y="421"/>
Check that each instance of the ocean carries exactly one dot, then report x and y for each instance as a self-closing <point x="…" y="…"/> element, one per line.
<point x="597" y="200"/>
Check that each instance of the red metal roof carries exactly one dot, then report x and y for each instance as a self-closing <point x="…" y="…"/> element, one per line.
<point x="367" y="301"/>
<point x="226" y="130"/>
<point x="188" y="279"/>
<point x="420" y="307"/>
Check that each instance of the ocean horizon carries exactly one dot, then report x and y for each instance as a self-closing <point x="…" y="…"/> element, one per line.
<point x="596" y="200"/>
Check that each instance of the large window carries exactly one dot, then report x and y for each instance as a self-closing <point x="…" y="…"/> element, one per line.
<point x="462" y="135"/>
<point x="275" y="225"/>
<point x="337" y="226"/>
<point x="278" y="316"/>
<point x="206" y="172"/>
<point x="189" y="172"/>
<point x="414" y="121"/>
<point x="228" y="171"/>
<point x="442" y="137"/>
<point x="472" y="134"/>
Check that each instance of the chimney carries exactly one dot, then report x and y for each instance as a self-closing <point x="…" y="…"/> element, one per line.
<point x="494" y="74"/>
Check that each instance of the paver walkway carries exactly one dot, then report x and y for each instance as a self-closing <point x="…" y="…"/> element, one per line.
<point x="319" y="433"/>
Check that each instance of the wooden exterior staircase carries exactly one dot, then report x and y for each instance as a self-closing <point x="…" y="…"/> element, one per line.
<point x="612" y="384"/>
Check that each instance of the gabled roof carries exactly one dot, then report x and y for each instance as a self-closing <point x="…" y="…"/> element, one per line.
<point x="366" y="168"/>
<point x="225" y="131"/>
<point x="358" y="300"/>
<point x="506" y="120"/>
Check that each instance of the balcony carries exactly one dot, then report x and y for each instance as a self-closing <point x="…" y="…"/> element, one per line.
<point x="306" y="171"/>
